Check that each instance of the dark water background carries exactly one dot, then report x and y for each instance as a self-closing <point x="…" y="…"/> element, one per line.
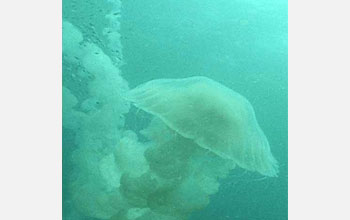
<point x="243" y="45"/>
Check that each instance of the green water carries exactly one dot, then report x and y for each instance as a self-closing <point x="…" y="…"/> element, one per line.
<point x="241" y="44"/>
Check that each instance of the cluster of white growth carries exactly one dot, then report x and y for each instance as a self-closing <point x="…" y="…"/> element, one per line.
<point x="95" y="120"/>
<point x="115" y="176"/>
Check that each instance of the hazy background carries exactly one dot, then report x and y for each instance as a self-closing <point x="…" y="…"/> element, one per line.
<point x="244" y="45"/>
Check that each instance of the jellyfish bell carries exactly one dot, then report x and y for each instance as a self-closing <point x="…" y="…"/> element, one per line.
<point x="213" y="116"/>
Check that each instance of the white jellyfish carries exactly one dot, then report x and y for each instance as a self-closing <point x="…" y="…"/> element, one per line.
<point x="215" y="117"/>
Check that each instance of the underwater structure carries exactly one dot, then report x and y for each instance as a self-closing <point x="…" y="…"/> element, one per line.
<point x="200" y="130"/>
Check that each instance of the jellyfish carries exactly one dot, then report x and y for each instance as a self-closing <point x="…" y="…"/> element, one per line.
<point x="213" y="116"/>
